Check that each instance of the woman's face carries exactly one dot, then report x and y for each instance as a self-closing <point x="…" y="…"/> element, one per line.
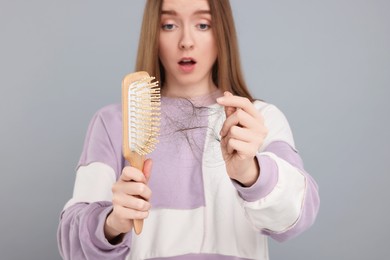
<point x="187" y="48"/>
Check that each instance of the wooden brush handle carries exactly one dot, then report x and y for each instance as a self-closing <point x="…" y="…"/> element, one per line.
<point x="138" y="224"/>
<point x="137" y="161"/>
<point x="134" y="88"/>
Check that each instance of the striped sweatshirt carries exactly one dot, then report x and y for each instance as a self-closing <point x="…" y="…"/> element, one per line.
<point x="197" y="212"/>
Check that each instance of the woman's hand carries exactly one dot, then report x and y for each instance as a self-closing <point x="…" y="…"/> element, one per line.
<point x="130" y="200"/>
<point x="242" y="134"/>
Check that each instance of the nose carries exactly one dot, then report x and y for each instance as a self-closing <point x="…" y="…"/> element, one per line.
<point x="186" y="41"/>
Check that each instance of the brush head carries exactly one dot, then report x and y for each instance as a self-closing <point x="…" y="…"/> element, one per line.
<point x="140" y="113"/>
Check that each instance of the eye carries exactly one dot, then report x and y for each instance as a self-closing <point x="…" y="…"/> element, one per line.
<point x="203" y="26"/>
<point x="168" y="26"/>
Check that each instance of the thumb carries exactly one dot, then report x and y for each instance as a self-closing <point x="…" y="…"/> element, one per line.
<point x="147" y="169"/>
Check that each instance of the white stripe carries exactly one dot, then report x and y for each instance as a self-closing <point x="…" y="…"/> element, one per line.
<point x="93" y="183"/>
<point x="276" y="123"/>
<point x="228" y="231"/>
<point x="280" y="209"/>
<point x="169" y="232"/>
<point x="211" y="230"/>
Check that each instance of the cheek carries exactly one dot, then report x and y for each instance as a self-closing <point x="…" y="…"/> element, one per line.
<point x="163" y="47"/>
<point x="214" y="51"/>
<point x="211" y="49"/>
<point x="161" y="50"/>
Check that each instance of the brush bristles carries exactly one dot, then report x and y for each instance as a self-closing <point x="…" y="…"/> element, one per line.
<point x="144" y="115"/>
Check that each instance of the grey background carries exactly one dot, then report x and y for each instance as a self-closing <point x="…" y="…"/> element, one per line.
<point x="326" y="64"/>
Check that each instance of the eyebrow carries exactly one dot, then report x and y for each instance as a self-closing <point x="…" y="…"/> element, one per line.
<point x="174" y="13"/>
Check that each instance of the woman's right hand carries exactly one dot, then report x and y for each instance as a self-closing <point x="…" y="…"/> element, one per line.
<point x="130" y="200"/>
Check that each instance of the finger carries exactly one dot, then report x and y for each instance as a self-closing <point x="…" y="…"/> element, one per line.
<point x="131" y="202"/>
<point x="244" y="134"/>
<point x="147" y="170"/>
<point x="227" y="149"/>
<point x="132" y="188"/>
<point x="118" y="219"/>
<point x="132" y="174"/>
<point x="139" y="189"/>
<point x="243" y="149"/>
<point x="228" y="110"/>
<point x="241" y="118"/>
<point x="127" y="213"/>
<point x="238" y="102"/>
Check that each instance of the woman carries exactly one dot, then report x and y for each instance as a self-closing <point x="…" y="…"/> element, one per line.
<point x="225" y="173"/>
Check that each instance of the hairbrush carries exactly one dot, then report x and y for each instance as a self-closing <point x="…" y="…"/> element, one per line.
<point x="141" y="103"/>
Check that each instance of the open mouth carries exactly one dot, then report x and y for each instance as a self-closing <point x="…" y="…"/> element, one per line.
<point x="187" y="62"/>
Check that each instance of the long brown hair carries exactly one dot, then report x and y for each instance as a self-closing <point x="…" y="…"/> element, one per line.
<point x="226" y="72"/>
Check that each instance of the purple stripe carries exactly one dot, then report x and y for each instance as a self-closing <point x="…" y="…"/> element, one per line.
<point x="176" y="179"/>
<point x="200" y="257"/>
<point x="103" y="141"/>
<point x="264" y="184"/>
<point x="284" y="151"/>
<point x="269" y="171"/>
<point x="80" y="233"/>
<point x="311" y="201"/>
<point x="177" y="157"/>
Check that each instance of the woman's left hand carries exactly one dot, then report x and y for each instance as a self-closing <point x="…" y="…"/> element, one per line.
<point x="242" y="134"/>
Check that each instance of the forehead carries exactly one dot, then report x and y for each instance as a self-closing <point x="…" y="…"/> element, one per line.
<point x="185" y="7"/>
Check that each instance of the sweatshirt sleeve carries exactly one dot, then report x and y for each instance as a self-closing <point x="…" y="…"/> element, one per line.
<point x="284" y="201"/>
<point x="81" y="229"/>
<point x="81" y="236"/>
